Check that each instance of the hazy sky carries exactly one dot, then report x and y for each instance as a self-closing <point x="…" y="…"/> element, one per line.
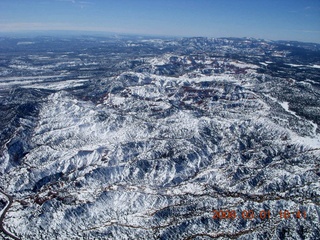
<point x="269" y="19"/>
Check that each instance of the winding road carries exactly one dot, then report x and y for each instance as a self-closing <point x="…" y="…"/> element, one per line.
<point x="3" y="214"/>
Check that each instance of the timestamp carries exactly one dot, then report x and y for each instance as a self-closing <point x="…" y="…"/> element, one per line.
<point x="263" y="214"/>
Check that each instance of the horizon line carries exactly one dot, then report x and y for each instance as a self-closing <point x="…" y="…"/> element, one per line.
<point x="100" y="33"/>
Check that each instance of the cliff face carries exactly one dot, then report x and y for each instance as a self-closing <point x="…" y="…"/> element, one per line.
<point x="170" y="139"/>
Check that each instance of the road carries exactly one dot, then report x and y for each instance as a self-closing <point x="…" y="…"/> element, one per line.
<point x="3" y="215"/>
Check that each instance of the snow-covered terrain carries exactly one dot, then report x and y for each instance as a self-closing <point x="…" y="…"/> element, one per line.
<point x="149" y="151"/>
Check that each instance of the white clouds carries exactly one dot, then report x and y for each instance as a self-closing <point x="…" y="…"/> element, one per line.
<point x="86" y="2"/>
<point x="81" y="4"/>
<point x="4" y="27"/>
<point x="38" y="26"/>
<point x="72" y="1"/>
<point x="33" y="26"/>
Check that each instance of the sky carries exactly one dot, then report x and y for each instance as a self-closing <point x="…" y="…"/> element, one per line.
<point x="268" y="19"/>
